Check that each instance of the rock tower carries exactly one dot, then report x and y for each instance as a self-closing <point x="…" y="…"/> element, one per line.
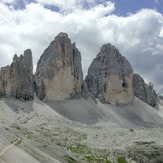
<point x="59" y="74"/>
<point x="16" y="80"/>
<point x="110" y="77"/>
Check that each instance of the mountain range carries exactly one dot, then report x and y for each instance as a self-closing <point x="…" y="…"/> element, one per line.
<point x="55" y="102"/>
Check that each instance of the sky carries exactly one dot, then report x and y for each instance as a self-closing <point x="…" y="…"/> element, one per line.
<point x="135" y="27"/>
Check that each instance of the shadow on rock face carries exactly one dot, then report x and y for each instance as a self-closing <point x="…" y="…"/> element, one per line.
<point x="17" y="105"/>
<point x="78" y="110"/>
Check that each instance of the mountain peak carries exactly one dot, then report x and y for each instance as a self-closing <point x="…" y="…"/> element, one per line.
<point x="110" y="77"/>
<point x="59" y="75"/>
<point x="63" y="35"/>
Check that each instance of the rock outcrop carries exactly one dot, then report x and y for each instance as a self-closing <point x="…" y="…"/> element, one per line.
<point x="110" y="77"/>
<point x="59" y="74"/>
<point x="160" y="97"/>
<point x="143" y="91"/>
<point x="16" y="80"/>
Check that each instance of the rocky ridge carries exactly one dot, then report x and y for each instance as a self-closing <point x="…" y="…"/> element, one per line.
<point x="161" y="97"/>
<point x="110" y="77"/>
<point x="59" y="76"/>
<point x="143" y="91"/>
<point x="16" y="80"/>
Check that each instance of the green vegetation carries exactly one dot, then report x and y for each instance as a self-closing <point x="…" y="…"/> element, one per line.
<point x="79" y="150"/>
<point x="96" y="159"/>
<point x="66" y="139"/>
<point x="47" y="135"/>
<point x="28" y="136"/>
<point x="88" y="154"/>
<point x="6" y="128"/>
<point x="70" y="159"/>
<point x="122" y="160"/>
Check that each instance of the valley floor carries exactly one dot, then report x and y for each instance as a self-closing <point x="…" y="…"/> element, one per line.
<point x="45" y="135"/>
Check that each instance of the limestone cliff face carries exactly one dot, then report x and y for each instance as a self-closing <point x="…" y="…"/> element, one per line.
<point x="110" y="77"/>
<point x="59" y="73"/>
<point x="160" y="97"/>
<point x="143" y="91"/>
<point x="16" y="80"/>
<point x="5" y="82"/>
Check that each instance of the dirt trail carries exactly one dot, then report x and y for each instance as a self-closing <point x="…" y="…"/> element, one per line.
<point x="8" y="147"/>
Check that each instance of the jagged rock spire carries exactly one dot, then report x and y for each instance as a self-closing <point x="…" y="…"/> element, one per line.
<point x="16" y="80"/>
<point x="143" y="91"/>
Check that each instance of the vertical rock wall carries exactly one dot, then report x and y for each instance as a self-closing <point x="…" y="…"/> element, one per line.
<point x="110" y="77"/>
<point x="16" y="80"/>
<point x="143" y="91"/>
<point x="59" y="73"/>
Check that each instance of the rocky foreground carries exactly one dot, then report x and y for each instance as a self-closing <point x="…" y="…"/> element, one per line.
<point x="37" y="132"/>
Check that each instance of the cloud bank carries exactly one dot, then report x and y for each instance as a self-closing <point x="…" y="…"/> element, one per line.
<point x="139" y="36"/>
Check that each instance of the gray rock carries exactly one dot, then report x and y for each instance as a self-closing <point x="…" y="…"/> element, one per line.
<point x="143" y="91"/>
<point x="84" y="91"/>
<point x="110" y="77"/>
<point x="59" y="74"/>
<point x="16" y="80"/>
<point x="161" y="97"/>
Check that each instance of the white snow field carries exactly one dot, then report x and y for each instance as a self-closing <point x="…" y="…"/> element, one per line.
<point x="80" y="131"/>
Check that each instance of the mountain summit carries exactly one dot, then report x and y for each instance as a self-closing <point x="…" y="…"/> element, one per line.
<point x="59" y="74"/>
<point x="110" y="77"/>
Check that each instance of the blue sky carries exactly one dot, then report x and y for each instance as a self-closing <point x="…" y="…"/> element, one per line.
<point x="123" y="7"/>
<point x="132" y="6"/>
<point x="135" y="27"/>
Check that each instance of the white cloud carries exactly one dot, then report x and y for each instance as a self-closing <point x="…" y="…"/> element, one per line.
<point x="72" y="5"/>
<point x="7" y="1"/>
<point x="161" y="33"/>
<point x="139" y="36"/>
<point x="63" y="4"/>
